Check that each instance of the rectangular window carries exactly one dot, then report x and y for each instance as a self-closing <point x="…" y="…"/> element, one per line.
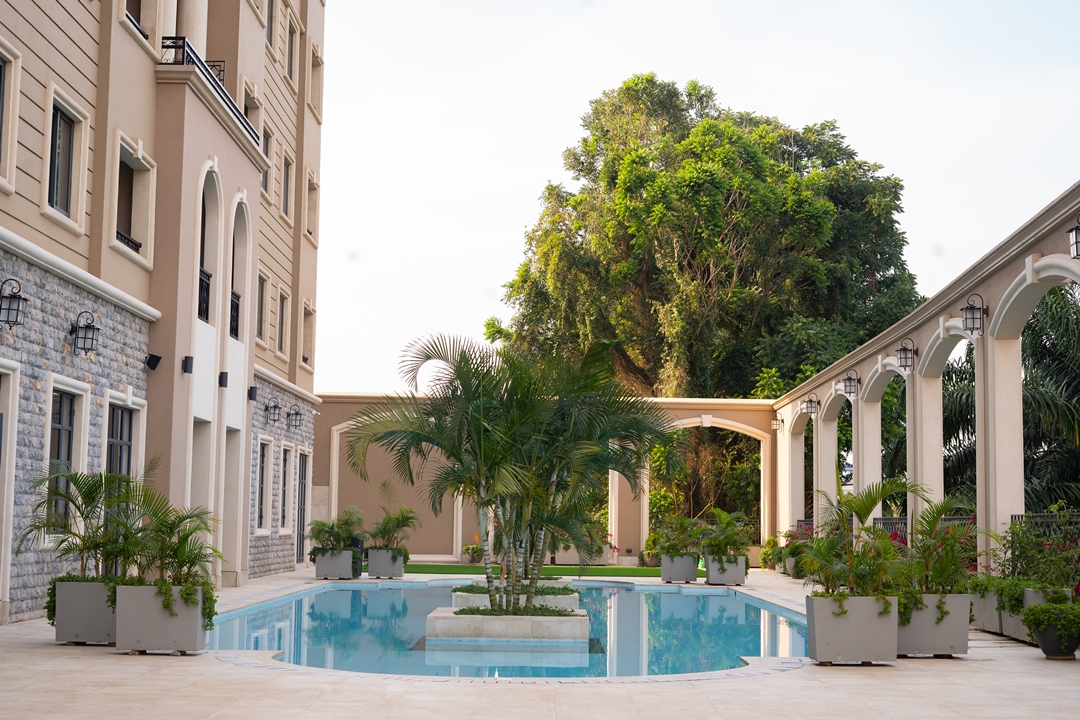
<point x="308" y="336"/>
<point x="270" y="23"/>
<point x="286" y="485"/>
<point x="286" y="185"/>
<point x="62" y="438"/>
<point x="118" y="459"/>
<point x="301" y="505"/>
<point x="3" y="104"/>
<point x="261" y="494"/>
<point x="290" y="62"/>
<point x="315" y="84"/>
<point x="267" y="149"/>
<point x="283" y="326"/>
<point x="60" y="168"/>
<point x="260" y="309"/>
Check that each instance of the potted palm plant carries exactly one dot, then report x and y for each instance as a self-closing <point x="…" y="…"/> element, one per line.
<point x="852" y="616"/>
<point x="337" y="545"/>
<point x="934" y="609"/>
<point x="75" y="516"/>
<point x="679" y="546"/>
<point x="725" y="544"/>
<point x="174" y="611"/>
<point x="388" y="555"/>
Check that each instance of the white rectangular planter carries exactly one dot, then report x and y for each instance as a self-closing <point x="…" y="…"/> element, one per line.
<point x="335" y="566"/>
<point x="567" y="557"/>
<point x="987" y="616"/>
<point x="143" y="624"/>
<point x="924" y="635"/>
<point x="566" y="602"/>
<point x="380" y="564"/>
<point x="443" y="624"/>
<point x="678" y="568"/>
<point x="734" y="572"/>
<point x="859" y="635"/>
<point x="789" y="566"/>
<point x="83" y="614"/>
<point x="1013" y="626"/>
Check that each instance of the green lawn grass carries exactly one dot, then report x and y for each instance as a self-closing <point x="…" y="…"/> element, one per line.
<point x="566" y="571"/>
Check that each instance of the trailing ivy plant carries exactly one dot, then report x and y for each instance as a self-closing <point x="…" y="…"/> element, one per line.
<point x="1065" y="617"/>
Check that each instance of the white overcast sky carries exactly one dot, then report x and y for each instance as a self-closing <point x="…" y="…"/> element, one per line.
<point x="444" y="121"/>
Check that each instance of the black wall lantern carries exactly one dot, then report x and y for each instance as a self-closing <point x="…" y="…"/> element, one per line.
<point x="906" y="354"/>
<point x="12" y="304"/>
<point x="253" y="392"/>
<point x="973" y="314"/>
<point x="1074" y="240"/>
<point x="852" y="382"/>
<point x="85" y="333"/>
<point x="152" y="361"/>
<point x="811" y="404"/>
<point x="293" y="416"/>
<point x="777" y="422"/>
<point x="273" y="410"/>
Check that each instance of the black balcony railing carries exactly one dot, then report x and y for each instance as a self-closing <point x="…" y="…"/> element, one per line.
<point x="234" y="316"/>
<point x="899" y="524"/>
<point x="135" y="24"/>
<point x="204" y="295"/>
<point x="129" y="241"/>
<point x="178" y="51"/>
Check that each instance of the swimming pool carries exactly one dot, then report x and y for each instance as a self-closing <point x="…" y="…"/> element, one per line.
<point x="633" y="630"/>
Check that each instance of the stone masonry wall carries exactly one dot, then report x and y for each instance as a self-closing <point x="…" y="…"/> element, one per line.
<point x="271" y="550"/>
<point x="40" y="346"/>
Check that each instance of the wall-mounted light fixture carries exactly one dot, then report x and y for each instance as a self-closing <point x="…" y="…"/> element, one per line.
<point x="273" y="410"/>
<point x="811" y="404"/>
<point x="85" y="333"/>
<point x="1074" y="240"/>
<point x="152" y="361"/>
<point x="187" y="365"/>
<point x="777" y="422"/>
<point x="253" y="393"/>
<point x="852" y="382"/>
<point x="12" y="304"/>
<point x="906" y="354"/>
<point x="973" y="314"/>
<point x="223" y="380"/>
<point x="293" y="416"/>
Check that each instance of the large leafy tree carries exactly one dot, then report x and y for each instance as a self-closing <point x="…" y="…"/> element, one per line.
<point x="709" y="245"/>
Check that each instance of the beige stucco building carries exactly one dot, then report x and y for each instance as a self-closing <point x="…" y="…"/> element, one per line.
<point x="159" y="184"/>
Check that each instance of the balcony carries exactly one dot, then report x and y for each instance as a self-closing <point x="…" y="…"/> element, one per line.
<point x="129" y="241"/>
<point x="204" y="295"/>
<point x="234" y="316"/>
<point x="178" y="51"/>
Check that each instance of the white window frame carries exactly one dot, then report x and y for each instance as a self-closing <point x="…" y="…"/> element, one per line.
<point x="270" y="37"/>
<point x="137" y="405"/>
<point x="288" y="481"/>
<point x="75" y="221"/>
<point x="292" y="23"/>
<point x="9" y="106"/>
<point x="267" y="192"/>
<point x="312" y="224"/>
<point x="10" y="377"/>
<point x="288" y="186"/>
<point x="308" y="311"/>
<point x="281" y="346"/>
<point x="80" y="433"/>
<point x="315" y="95"/>
<point x="263" y="341"/>
<point x="131" y="152"/>
<point x="268" y="492"/>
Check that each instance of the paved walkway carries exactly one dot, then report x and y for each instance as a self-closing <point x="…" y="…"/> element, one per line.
<point x="1000" y="678"/>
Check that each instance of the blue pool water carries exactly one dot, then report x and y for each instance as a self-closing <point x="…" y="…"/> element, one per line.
<point x="633" y="631"/>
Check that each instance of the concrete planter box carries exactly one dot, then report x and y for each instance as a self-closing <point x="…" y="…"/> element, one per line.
<point x="380" y="564"/>
<point x="789" y="566"/>
<point x="1013" y="626"/>
<point x="567" y="557"/>
<point x="335" y="566"/>
<point x="734" y="572"/>
<point x="678" y="568"/>
<point x="859" y="635"/>
<point x="566" y="602"/>
<point x="987" y="616"/>
<point x="83" y="614"/>
<point x="755" y="556"/>
<point x="924" y="635"/>
<point x="443" y="624"/>
<point x="1038" y="597"/>
<point x="143" y="624"/>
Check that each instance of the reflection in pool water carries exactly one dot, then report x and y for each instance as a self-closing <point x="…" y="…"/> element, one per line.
<point x="640" y="631"/>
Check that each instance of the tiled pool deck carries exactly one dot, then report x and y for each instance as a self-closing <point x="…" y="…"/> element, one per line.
<point x="1000" y="678"/>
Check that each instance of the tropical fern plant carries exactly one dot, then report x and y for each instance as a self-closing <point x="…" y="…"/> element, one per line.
<point x="337" y="535"/>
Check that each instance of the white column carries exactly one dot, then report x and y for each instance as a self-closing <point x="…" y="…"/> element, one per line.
<point x="614" y="481"/>
<point x="866" y="445"/>
<point x="925" y="447"/>
<point x="191" y="23"/>
<point x="768" y="490"/>
<point x="790" y="479"/>
<point x="999" y="438"/>
<point x="824" y="462"/>
<point x="168" y="18"/>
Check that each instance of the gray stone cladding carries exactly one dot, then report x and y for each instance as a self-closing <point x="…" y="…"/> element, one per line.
<point x="270" y="549"/>
<point x="42" y="345"/>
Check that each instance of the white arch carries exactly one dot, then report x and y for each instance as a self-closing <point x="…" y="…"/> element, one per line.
<point x="879" y="378"/>
<point x="713" y="421"/>
<point x="948" y="335"/>
<point x="1040" y="274"/>
<point x="833" y="402"/>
